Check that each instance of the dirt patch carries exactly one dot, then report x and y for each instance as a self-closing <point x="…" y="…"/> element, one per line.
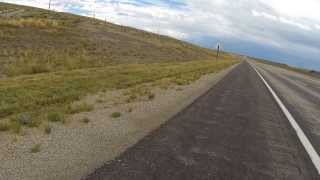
<point x="90" y="139"/>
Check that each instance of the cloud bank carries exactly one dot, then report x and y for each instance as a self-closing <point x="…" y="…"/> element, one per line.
<point x="284" y="30"/>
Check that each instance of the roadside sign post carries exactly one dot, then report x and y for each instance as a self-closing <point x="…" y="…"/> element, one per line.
<point x="218" y="51"/>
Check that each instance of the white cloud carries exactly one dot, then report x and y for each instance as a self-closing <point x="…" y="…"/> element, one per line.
<point x="296" y="8"/>
<point x="265" y="15"/>
<point x="293" y="23"/>
<point x="281" y="19"/>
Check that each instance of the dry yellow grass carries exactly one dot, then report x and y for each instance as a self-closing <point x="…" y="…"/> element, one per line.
<point x="29" y="22"/>
<point x="45" y="41"/>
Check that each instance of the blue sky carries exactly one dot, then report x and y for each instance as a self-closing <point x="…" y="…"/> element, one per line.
<point x="286" y="31"/>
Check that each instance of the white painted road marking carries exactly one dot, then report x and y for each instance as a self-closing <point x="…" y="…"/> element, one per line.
<point x="302" y="137"/>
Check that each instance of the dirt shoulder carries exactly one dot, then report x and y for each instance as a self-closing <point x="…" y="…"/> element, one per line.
<point x="90" y="139"/>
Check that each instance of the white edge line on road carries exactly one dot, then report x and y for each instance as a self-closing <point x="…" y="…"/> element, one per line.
<point x="302" y="137"/>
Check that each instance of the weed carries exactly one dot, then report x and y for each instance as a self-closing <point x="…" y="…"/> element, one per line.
<point x="116" y="115"/>
<point x="179" y="81"/>
<point x="151" y="96"/>
<point x="163" y="83"/>
<point x="78" y="108"/>
<point x="25" y="119"/>
<point x="85" y="120"/>
<point x="15" y="139"/>
<point x="179" y="89"/>
<point x="15" y="126"/>
<point x="100" y="101"/>
<point x="35" y="148"/>
<point x="4" y="127"/>
<point x="47" y="129"/>
<point x="56" y="117"/>
<point x="131" y="98"/>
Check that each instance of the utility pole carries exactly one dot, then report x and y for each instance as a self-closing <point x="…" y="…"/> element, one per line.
<point x="49" y="4"/>
<point x="218" y="51"/>
<point x="94" y="9"/>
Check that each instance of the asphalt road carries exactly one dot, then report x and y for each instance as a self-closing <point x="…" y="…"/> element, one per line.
<point x="301" y="95"/>
<point x="235" y="131"/>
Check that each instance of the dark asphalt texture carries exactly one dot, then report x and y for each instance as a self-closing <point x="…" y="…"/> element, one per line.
<point x="299" y="116"/>
<point x="233" y="132"/>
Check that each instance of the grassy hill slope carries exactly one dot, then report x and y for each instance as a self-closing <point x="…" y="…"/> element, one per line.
<point x="49" y="60"/>
<point x="35" y="40"/>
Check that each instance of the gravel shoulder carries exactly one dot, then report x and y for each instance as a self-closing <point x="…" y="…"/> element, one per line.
<point x="75" y="149"/>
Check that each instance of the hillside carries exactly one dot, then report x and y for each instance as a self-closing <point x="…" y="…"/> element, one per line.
<point x="36" y="40"/>
<point x="73" y="86"/>
<point x="58" y="58"/>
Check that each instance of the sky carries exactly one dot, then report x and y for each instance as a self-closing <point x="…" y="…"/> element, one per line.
<point x="286" y="31"/>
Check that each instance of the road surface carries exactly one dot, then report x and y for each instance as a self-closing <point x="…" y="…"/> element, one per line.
<point x="235" y="131"/>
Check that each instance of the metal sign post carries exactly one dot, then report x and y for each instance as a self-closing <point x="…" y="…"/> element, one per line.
<point x="218" y="51"/>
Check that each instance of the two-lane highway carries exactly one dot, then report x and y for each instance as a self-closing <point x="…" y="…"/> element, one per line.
<point x="234" y="131"/>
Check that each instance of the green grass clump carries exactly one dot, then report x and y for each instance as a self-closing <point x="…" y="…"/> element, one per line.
<point x="56" y="117"/>
<point x="140" y="91"/>
<point x="131" y="98"/>
<point x="78" y="108"/>
<point x="26" y="119"/>
<point x="15" y="126"/>
<point x="85" y="120"/>
<point x="116" y="115"/>
<point x="151" y="96"/>
<point x="35" y="148"/>
<point x="163" y="83"/>
<point x="47" y="129"/>
<point x="4" y="127"/>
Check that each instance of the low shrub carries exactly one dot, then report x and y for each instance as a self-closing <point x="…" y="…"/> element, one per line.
<point x="24" y="119"/>
<point x="116" y="115"/>
<point x="85" y="120"/>
<point x="35" y="148"/>
<point x="15" y="126"/>
<point x="47" y="129"/>
<point x="4" y="127"/>
<point x="55" y="117"/>
<point x="151" y="96"/>
<point x="78" y="108"/>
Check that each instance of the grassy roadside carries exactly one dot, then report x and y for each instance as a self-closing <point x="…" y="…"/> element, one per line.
<point x="30" y="99"/>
